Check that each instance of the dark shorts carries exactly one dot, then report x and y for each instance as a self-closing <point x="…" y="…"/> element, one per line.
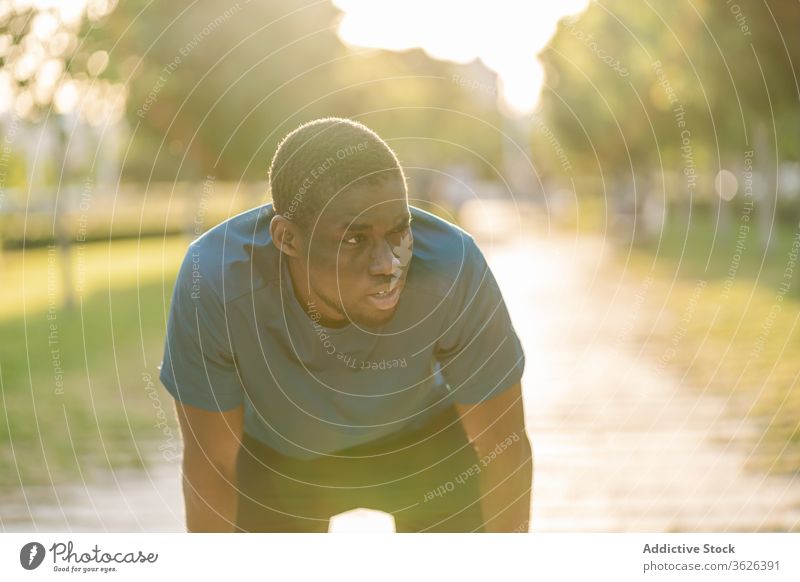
<point x="418" y="477"/>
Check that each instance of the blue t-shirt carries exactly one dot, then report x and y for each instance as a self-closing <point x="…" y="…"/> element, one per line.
<point x="237" y="335"/>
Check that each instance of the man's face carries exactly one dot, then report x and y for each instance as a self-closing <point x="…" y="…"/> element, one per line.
<point x="358" y="252"/>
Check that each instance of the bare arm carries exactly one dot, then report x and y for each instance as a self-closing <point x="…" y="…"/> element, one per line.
<point x="211" y="442"/>
<point x="496" y="428"/>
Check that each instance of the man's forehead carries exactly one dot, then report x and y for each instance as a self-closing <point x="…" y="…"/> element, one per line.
<point x="386" y="214"/>
<point x="365" y="208"/>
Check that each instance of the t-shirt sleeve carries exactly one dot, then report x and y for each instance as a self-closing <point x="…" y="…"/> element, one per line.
<point x="198" y="367"/>
<point x="479" y="351"/>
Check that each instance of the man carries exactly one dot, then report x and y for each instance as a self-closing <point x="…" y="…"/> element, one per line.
<point x="339" y="348"/>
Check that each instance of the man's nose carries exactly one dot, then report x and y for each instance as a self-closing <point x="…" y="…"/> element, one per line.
<point x="381" y="261"/>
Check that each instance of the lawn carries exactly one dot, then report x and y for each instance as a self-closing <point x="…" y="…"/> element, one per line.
<point x="79" y="384"/>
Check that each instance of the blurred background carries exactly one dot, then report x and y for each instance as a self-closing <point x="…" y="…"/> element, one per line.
<point x="631" y="169"/>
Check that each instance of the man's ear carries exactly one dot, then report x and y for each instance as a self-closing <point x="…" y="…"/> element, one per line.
<point x="285" y="235"/>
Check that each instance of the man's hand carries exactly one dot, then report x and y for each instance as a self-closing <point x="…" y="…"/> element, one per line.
<point x="211" y="442"/>
<point x="496" y="428"/>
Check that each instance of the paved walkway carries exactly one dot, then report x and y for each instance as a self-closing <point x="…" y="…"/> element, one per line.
<point x="618" y="446"/>
<point x="126" y="500"/>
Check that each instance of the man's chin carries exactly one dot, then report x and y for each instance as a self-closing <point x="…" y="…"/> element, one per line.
<point x="373" y="317"/>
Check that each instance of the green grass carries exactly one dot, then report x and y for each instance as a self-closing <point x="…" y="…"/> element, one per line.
<point x="728" y="341"/>
<point x="107" y="342"/>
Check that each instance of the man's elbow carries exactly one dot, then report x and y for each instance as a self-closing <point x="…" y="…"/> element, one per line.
<point x="513" y="448"/>
<point x="522" y="450"/>
<point x="210" y="461"/>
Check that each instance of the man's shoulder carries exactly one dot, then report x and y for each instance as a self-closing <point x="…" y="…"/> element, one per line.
<point x="234" y="257"/>
<point x="443" y="254"/>
<point x="250" y="226"/>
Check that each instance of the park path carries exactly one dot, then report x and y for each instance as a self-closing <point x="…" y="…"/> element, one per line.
<point x="125" y="500"/>
<point x="621" y="445"/>
<point x="618" y="445"/>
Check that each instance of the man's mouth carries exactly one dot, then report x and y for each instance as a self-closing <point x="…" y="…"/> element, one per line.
<point x="385" y="299"/>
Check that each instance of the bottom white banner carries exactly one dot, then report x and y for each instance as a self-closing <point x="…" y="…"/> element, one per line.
<point x="41" y="556"/>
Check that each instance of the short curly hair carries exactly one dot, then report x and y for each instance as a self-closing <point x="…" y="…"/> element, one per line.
<point x="324" y="157"/>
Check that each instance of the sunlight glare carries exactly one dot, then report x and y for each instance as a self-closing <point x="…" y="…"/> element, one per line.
<point x="506" y="35"/>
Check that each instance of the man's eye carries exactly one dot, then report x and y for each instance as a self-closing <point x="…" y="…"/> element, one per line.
<point x="353" y="240"/>
<point x="406" y="225"/>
